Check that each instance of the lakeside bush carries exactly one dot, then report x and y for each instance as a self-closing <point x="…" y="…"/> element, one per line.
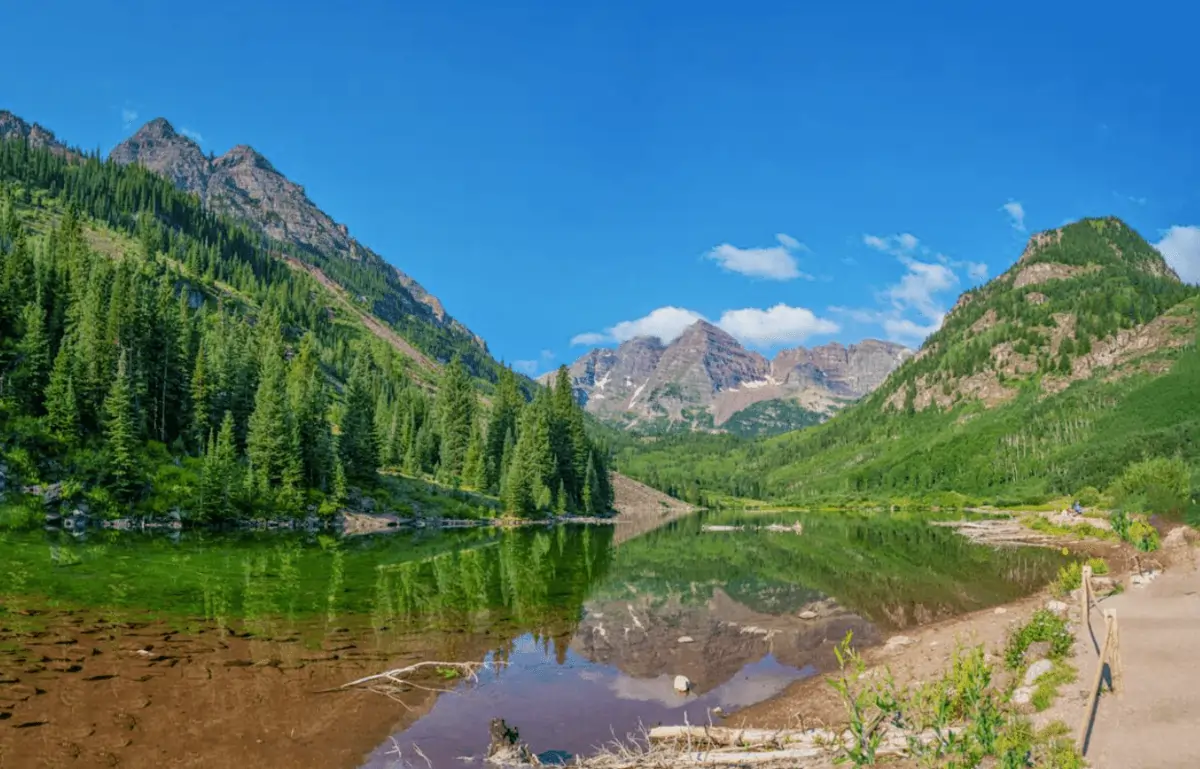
<point x="1157" y="485"/>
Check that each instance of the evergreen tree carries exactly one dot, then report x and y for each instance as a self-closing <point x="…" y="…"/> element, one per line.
<point x="62" y="409"/>
<point x="271" y="444"/>
<point x="358" y="444"/>
<point x="33" y="351"/>
<point x="219" y="480"/>
<point x="120" y="433"/>
<point x="474" y="472"/>
<point x="201" y="392"/>
<point x="455" y="412"/>
<point x="309" y="404"/>
<point x="502" y="426"/>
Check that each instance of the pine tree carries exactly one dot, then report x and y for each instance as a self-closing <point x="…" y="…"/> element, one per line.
<point x="506" y="409"/>
<point x="33" y="353"/>
<point x="62" y="408"/>
<point x="358" y="444"/>
<point x="120" y="434"/>
<point x="270" y="440"/>
<point x="455" y="412"/>
<point x="201" y="392"/>
<point x="309" y="404"/>
<point x="219" y="475"/>
<point x="474" y="472"/>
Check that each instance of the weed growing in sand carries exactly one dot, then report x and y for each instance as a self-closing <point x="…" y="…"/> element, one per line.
<point x="869" y="707"/>
<point x="1047" y="685"/>
<point x="1043" y="626"/>
<point x="958" y="721"/>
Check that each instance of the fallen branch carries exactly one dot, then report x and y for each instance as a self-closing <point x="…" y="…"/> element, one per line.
<point x="392" y="683"/>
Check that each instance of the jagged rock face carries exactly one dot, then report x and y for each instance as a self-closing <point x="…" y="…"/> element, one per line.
<point x="852" y="371"/>
<point x="13" y="127"/>
<point x="244" y="184"/>
<point x="701" y="363"/>
<point x="707" y="369"/>
<point x="605" y="379"/>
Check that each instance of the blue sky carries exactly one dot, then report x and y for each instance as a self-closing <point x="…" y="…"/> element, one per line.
<point x="797" y="172"/>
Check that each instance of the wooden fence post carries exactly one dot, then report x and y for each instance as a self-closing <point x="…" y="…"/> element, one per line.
<point x="1085" y="589"/>
<point x="1106" y="651"/>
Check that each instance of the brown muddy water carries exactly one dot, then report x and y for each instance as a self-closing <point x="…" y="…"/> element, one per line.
<point x="205" y="650"/>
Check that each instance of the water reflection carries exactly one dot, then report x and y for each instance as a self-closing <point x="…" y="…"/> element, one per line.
<point x="592" y="634"/>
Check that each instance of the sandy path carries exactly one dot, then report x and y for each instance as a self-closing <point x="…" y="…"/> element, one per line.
<point x="1155" y="722"/>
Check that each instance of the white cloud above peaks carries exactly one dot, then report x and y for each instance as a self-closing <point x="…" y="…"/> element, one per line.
<point x="771" y="262"/>
<point x="1016" y="212"/>
<point x="1180" y="246"/>
<point x="780" y="324"/>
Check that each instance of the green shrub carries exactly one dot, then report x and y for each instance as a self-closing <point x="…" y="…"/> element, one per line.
<point x="1099" y="566"/>
<point x="1070" y="577"/>
<point x="1156" y="485"/>
<point x="1143" y="536"/>
<point x="1045" y="626"/>
<point x="1088" y="496"/>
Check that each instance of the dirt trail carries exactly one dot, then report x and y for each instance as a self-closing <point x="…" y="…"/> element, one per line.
<point x="1152" y="723"/>
<point x="373" y="324"/>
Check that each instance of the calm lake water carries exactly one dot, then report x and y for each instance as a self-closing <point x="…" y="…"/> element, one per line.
<point x="216" y="650"/>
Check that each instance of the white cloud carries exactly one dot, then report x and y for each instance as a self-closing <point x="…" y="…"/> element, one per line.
<point x="193" y="135"/>
<point x="128" y="117"/>
<point x="666" y="323"/>
<point x="896" y="245"/>
<point x="1017" y="212"/>
<point x="589" y="338"/>
<point x="914" y="306"/>
<point x="917" y="287"/>
<point x="773" y="263"/>
<point x="526" y="367"/>
<point x="780" y="324"/>
<point x="910" y="332"/>
<point x="532" y="367"/>
<point x="1180" y="246"/>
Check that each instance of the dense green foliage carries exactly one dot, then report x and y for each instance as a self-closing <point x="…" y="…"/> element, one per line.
<point x="770" y="418"/>
<point x="159" y="358"/>
<point x="1035" y="445"/>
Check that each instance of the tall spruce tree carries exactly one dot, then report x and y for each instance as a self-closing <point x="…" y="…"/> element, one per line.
<point x="120" y="434"/>
<point x="62" y="409"/>
<point x="357" y="442"/>
<point x="455" y="412"/>
<point x="271" y="444"/>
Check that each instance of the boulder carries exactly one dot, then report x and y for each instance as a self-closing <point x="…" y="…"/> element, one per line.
<point x="1058" y="607"/>
<point x="1036" y="671"/>
<point x="1001" y="610"/>
<point x="898" y="642"/>
<point x="682" y="684"/>
<point x="686" y="639"/>
<point x="1022" y="695"/>
<point x="808" y="614"/>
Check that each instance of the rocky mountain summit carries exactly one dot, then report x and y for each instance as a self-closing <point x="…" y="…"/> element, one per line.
<point x="705" y="377"/>
<point x="13" y="127"/>
<point x="244" y="184"/>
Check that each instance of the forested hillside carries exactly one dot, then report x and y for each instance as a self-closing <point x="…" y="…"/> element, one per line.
<point x="1078" y="362"/>
<point x="158" y="359"/>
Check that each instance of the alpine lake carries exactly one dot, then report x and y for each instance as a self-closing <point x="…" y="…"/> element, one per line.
<point x="205" y="649"/>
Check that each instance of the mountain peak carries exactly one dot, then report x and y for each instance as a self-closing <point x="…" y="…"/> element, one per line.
<point x="14" y="127"/>
<point x="158" y="128"/>
<point x="245" y="154"/>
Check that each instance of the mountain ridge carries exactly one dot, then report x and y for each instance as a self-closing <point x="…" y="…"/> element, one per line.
<point x="243" y="183"/>
<point x="705" y="377"/>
